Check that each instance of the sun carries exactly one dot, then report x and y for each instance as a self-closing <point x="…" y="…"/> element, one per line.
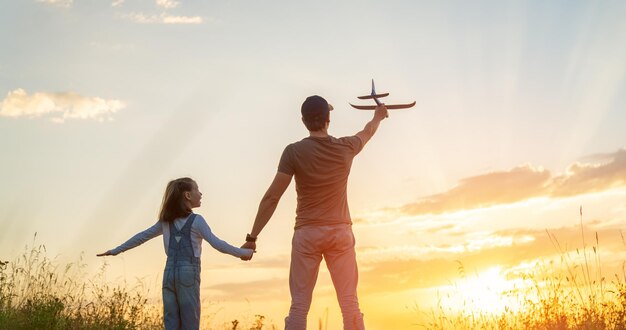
<point x="482" y="292"/>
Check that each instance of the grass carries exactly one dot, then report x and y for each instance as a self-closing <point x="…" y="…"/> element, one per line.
<point x="572" y="294"/>
<point x="38" y="293"/>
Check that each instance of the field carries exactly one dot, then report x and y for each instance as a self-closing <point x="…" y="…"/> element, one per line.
<point x="572" y="293"/>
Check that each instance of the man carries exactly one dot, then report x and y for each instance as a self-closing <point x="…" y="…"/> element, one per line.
<point x="321" y="165"/>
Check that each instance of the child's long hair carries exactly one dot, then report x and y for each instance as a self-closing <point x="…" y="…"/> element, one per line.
<point x="174" y="200"/>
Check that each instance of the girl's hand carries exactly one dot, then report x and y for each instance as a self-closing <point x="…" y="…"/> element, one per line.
<point x="248" y="257"/>
<point x="108" y="253"/>
<point x="252" y="247"/>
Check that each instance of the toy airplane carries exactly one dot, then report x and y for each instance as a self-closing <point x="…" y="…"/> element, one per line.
<point x="376" y="97"/>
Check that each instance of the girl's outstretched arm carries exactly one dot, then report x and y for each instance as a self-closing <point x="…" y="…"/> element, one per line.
<point x="217" y="243"/>
<point x="136" y="240"/>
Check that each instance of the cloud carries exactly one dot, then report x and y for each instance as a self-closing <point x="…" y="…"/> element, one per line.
<point x="58" y="106"/>
<point x="167" y="4"/>
<point x="58" y="3"/>
<point x="163" y="18"/>
<point x="406" y="274"/>
<point x="586" y="178"/>
<point x="485" y="190"/>
<point x="523" y="183"/>
<point x="117" y="3"/>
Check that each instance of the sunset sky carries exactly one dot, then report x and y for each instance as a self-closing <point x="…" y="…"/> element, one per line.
<point x="520" y="116"/>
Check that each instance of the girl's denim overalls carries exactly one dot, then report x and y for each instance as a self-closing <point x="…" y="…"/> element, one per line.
<point x="181" y="280"/>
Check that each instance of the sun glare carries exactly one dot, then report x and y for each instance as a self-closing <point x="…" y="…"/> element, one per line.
<point x="482" y="292"/>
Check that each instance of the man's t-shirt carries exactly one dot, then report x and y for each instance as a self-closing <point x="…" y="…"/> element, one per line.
<point x="321" y="167"/>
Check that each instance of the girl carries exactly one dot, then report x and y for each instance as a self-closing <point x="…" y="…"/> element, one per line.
<point x="183" y="232"/>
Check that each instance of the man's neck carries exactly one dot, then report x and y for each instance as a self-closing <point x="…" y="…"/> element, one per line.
<point x="320" y="133"/>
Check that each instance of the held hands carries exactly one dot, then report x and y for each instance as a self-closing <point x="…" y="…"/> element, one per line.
<point x="251" y="246"/>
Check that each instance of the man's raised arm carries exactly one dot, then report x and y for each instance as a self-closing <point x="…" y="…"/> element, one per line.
<point x="370" y="128"/>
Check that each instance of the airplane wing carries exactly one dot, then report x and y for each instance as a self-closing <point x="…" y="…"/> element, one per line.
<point x="389" y="107"/>
<point x="373" y="96"/>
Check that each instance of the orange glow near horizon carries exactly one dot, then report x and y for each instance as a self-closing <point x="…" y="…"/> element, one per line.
<point x="485" y="292"/>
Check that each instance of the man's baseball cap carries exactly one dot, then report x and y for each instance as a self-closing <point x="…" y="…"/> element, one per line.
<point x="315" y="107"/>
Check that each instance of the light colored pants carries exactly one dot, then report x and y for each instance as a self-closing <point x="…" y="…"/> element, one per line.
<point x="335" y="243"/>
<point x="181" y="296"/>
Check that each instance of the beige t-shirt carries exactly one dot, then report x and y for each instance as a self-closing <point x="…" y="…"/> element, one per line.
<point x="321" y="167"/>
